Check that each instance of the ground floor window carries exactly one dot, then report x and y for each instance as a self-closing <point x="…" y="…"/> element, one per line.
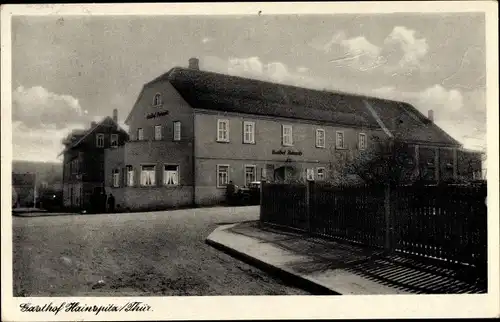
<point x="116" y="178"/>
<point x="148" y="177"/>
<point x="222" y="175"/>
<point x="250" y="175"/>
<point x="320" y="175"/>
<point x="130" y="176"/>
<point x="171" y="175"/>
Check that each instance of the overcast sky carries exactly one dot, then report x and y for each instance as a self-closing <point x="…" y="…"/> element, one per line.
<point x="68" y="71"/>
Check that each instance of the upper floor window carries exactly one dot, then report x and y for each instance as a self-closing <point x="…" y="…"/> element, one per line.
<point x="248" y="132"/>
<point x="116" y="178"/>
<point x="157" y="132"/>
<point x="157" y="100"/>
<point x="223" y="130"/>
<point x="114" y="139"/>
<point x="171" y="175"/>
<point x="177" y="131"/>
<point x="320" y="138"/>
<point x="148" y="175"/>
<point x="100" y="140"/>
<point x="340" y="142"/>
<point x="287" y="135"/>
<point x="362" y="141"/>
<point x="140" y="134"/>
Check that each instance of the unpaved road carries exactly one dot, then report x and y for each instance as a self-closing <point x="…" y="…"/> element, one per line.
<point x="150" y="254"/>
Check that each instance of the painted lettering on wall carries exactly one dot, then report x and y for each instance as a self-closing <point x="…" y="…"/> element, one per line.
<point x="286" y="152"/>
<point x="156" y="114"/>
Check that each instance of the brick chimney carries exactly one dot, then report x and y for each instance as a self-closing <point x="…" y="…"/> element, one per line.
<point x="194" y="63"/>
<point x="115" y="115"/>
<point x="430" y="115"/>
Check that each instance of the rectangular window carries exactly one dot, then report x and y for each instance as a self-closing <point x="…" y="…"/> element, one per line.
<point x="320" y="174"/>
<point x="249" y="132"/>
<point x="100" y="140"/>
<point x="171" y="175"/>
<point x="148" y="175"/>
<point x="223" y="130"/>
<point x="130" y="176"/>
<point x="157" y="132"/>
<point x="287" y="135"/>
<point x="263" y="174"/>
<point x="116" y="178"/>
<point x="362" y="141"/>
<point x="140" y="134"/>
<point x="177" y="131"/>
<point x="320" y="138"/>
<point x="114" y="139"/>
<point x="250" y="174"/>
<point x="222" y="175"/>
<point x="340" y="144"/>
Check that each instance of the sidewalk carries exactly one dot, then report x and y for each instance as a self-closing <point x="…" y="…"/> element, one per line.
<point x="329" y="267"/>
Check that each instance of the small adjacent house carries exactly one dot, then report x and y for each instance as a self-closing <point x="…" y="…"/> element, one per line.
<point x="83" y="163"/>
<point x="192" y="131"/>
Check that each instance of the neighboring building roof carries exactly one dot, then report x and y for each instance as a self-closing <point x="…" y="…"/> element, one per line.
<point x="214" y="91"/>
<point x="23" y="179"/>
<point x="80" y="135"/>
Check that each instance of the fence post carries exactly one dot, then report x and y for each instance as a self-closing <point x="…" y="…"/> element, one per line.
<point x="308" y="205"/>
<point x="261" y="210"/>
<point x="387" y="218"/>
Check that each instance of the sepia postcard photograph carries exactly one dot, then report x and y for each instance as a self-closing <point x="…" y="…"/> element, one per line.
<point x="249" y="161"/>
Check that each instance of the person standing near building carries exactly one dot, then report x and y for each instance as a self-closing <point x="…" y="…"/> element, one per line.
<point x="111" y="203"/>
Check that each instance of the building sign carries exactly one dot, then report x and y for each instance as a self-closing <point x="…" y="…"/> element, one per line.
<point x="286" y="152"/>
<point x="156" y="114"/>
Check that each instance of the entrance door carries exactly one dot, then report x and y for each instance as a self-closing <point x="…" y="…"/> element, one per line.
<point x="284" y="173"/>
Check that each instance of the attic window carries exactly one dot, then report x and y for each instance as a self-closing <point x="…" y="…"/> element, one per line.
<point x="157" y="101"/>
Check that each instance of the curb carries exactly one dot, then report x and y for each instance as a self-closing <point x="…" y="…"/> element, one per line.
<point x="285" y="276"/>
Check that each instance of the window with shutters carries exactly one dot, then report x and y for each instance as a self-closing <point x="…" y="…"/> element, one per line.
<point x="320" y="174"/>
<point x="171" y="175"/>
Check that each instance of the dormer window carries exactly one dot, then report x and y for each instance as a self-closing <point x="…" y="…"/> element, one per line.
<point x="157" y="101"/>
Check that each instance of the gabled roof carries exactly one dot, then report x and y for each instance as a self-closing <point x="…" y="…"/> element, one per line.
<point x="82" y="135"/>
<point x="214" y="91"/>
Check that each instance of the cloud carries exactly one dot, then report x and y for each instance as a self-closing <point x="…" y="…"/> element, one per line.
<point x="36" y="106"/>
<point x="411" y="48"/>
<point x="39" y="144"/>
<point x="302" y="69"/>
<point x="460" y="114"/>
<point x="400" y="51"/>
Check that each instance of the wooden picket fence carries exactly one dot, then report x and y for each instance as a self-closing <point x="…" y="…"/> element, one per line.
<point x="446" y="223"/>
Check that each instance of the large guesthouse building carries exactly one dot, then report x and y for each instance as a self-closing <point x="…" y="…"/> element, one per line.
<point x="193" y="131"/>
